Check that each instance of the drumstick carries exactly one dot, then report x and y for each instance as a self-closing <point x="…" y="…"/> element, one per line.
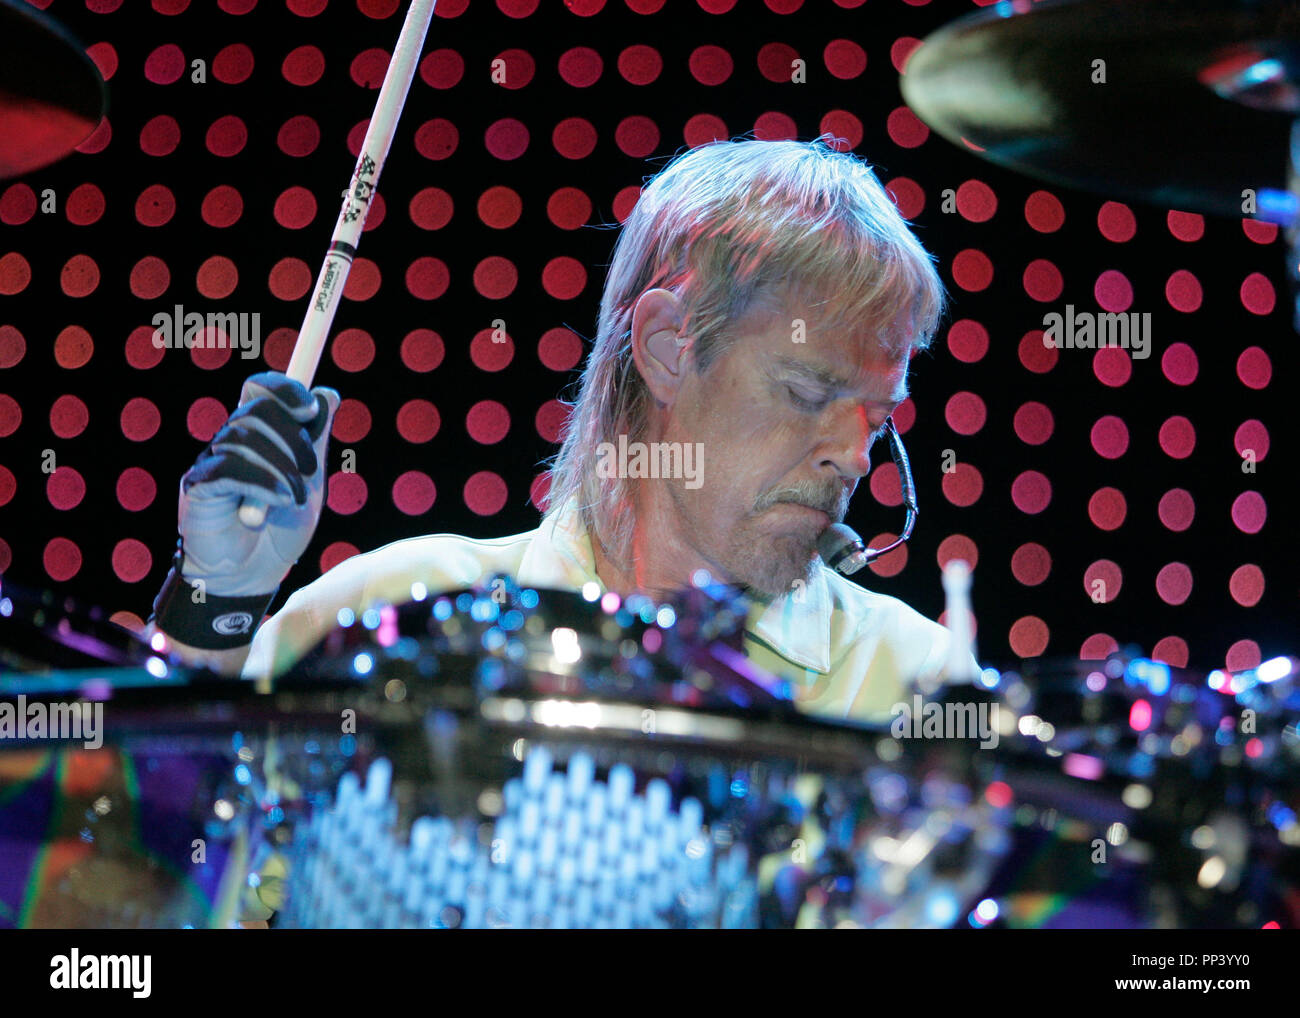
<point x="352" y="217"/>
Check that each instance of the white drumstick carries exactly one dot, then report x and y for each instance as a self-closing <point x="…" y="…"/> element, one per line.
<point x="352" y="217"/>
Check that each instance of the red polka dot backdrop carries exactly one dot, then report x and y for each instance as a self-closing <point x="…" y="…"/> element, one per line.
<point x="1132" y="494"/>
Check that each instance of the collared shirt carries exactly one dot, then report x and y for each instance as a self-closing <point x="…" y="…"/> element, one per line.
<point x="848" y="652"/>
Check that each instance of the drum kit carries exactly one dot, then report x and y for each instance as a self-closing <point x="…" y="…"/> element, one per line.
<point x="514" y="757"/>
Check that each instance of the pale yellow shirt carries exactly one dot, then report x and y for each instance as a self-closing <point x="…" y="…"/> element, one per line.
<point x="848" y="652"/>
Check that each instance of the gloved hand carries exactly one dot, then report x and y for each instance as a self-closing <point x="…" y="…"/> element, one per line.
<point x="271" y="451"/>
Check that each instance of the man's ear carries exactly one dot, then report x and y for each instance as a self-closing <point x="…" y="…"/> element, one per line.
<point x="658" y="347"/>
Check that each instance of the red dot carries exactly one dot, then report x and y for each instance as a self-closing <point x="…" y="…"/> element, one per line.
<point x="965" y="413"/>
<point x="149" y="278"/>
<point x="431" y="208"/>
<point x="776" y="61"/>
<point x="131" y="560"/>
<point x="226" y="137"/>
<point x="140" y="419"/>
<point x="369" y="67"/>
<point x="443" y="68"/>
<point x="17" y="204"/>
<point x="485" y="493"/>
<point x="1259" y="233"/>
<point x="160" y="136"/>
<point x="1251" y="438"/>
<point x="905" y="416"/>
<point x="625" y="201"/>
<point x="233" y="64"/>
<point x="1044" y="212"/>
<point x="574" y="138"/>
<point x="346" y="493"/>
<point x="496" y="277"/>
<point x="217" y="277"/>
<point x="1034" y="355"/>
<point x="98" y="140"/>
<point x="1028" y="636"/>
<point x="517" y="8"/>
<point x="1177" y="437"/>
<point x="1186" y="225"/>
<point x="958" y="546"/>
<point x="205" y="418"/>
<point x="1183" y="291"/>
<point x="492" y="349"/>
<point x="499" y="207"/>
<point x="336" y="553"/>
<point x="845" y="59"/>
<point x="155" y="206"/>
<point x="901" y="50"/>
<point x="85" y="205"/>
<point x="716" y="6"/>
<point x="364" y="280"/>
<point x="62" y="559"/>
<point x="1174" y="583"/>
<point x="65" y="488"/>
<point x="891" y="564"/>
<point x="295" y="208"/>
<point x="140" y="351"/>
<point x="1116" y="222"/>
<point x="976" y="201"/>
<point x="304" y="65"/>
<point x="351" y="421"/>
<point x="15" y="273"/>
<point x="68" y="417"/>
<point x="1031" y="492"/>
<point x="568" y="208"/>
<point x="1254" y="368"/>
<point x="972" y="270"/>
<point x="222" y="206"/>
<point x="783" y="6"/>
<point x="1247" y="585"/>
<point x="1112" y="366"/>
<point x="1249" y="511"/>
<point x="377" y="9"/>
<point x="506" y="139"/>
<point x="1113" y="291"/>
<point x="1042" y="280"/>
<point x="564" y="278"/>
<point x="1098" y="647"/>
<point x="1242" y="656"/>
<point x="277" y="348"/>
<point x="1102" y="581"/>
<point x="907" y="196"/>
<point x="212" y="350"/>
<point x="422" y="350"/>
<point x="1176" y="509"/>
<point x="585" y="8"/>
<point x="136" y="489"/>
<point x="1257" y="294"/>
<point x="427" y="278"/>
<point x="963" y="485"/>
<point x="1033" y="423"/>
<point x="905" y="128"/>
<point x="13" y="346"/>
<point x="353" y="350"/>
<point x="290" y="278"/>
<point x="8" y="485"/>
<point x="710" y="65"/>
<point x="105" y="57"/>
<point x="559" y="349"/>
<point x="80" y="276"/>
<point x="1172" y="650"/>
<point x="1107" y="508"/>
<point x="1179" y="364"/>
<point x="1110" y="437"/>
<point x="298" y="136"/>
<point x="418" y="421"/>
<point x="581" y="66"/>
<point x="968" y="340"/>
<point x="551" y="419"/>
<point x="487" y="422"/>
<point x="886" y="487"/>
<point x="165" y="65"/>
<point x="1030" y="564"/>
<point x="414" y="493"/>
<point x="773" y="126"/>
<point x="539" y="492"/>
<point x="11" y="416"/>
<point x="640" y="64"/>
<point x="437" y="138"/>
<point x="845" y="127"/>
<point x="236" y="7"/>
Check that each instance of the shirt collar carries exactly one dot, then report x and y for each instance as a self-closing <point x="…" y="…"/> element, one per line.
<point x="796" y="625"/>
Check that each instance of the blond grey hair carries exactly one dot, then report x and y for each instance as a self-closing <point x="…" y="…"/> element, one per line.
<point x="722" y="226"/>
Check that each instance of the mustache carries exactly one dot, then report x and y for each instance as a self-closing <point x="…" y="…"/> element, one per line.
<point x="828" y="496"/>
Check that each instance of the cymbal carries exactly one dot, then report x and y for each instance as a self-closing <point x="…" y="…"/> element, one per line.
<point x="51" y="94"/>
<point x="1183" y="103"/>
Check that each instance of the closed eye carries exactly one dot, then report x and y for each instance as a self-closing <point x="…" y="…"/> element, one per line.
<point x="809" y="404"/>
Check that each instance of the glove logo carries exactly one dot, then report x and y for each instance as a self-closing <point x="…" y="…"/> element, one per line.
<point x="233" y="623"/>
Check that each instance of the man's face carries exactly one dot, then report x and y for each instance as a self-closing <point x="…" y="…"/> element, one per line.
<point x="785" y="428"/>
